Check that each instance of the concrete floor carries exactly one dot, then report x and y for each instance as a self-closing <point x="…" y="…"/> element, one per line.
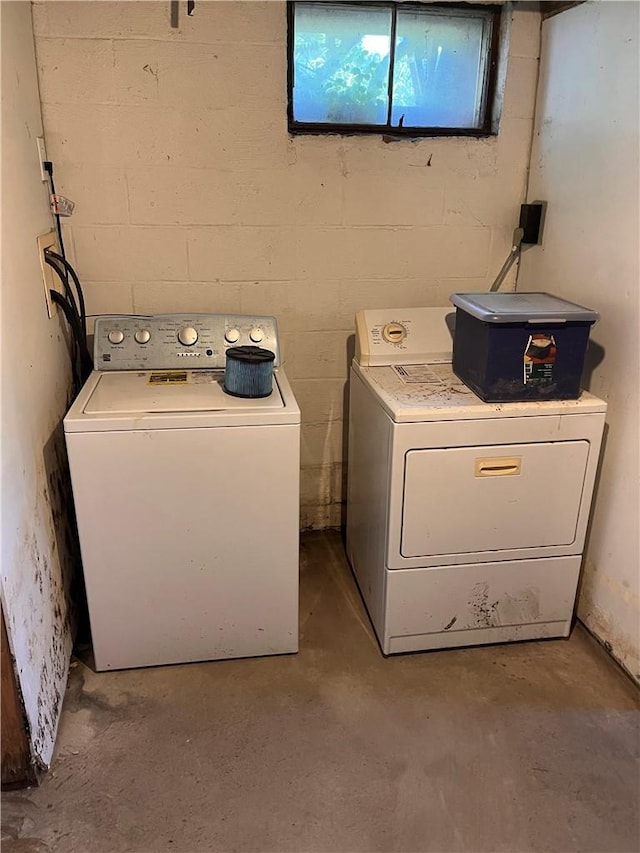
<point x="523" y="747"/>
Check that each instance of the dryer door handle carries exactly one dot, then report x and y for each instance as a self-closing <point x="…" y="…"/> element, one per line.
<point x="503" y="466"/>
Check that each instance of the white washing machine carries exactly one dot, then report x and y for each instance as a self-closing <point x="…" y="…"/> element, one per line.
<point x="187" y="498"/>
<point x="465" y="520"/>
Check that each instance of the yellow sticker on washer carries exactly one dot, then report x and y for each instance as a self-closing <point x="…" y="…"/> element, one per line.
<point x="168" y="377"/>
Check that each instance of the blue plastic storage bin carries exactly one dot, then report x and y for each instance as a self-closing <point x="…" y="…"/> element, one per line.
<point x="512" y="347"/>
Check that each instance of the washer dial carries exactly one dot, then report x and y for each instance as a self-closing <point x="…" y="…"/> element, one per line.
<point x="256" y="335"/>
<point x="232" y="336"/>
<point x="143" y="336"/>
<point x="394" y="333"/>
<point x="115" y="336"/>
<point x="187" y="336"/>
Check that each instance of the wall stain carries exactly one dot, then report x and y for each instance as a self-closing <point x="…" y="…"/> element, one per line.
<point x="622" y="648"/>
<point x="50" y="589"/>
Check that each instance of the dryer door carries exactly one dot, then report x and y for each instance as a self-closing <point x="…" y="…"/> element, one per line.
<point x="465" y="500"/>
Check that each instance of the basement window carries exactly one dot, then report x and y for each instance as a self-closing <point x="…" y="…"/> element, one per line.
<point x="400" y="69"/>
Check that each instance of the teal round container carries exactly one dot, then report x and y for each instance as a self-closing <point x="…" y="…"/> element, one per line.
<point x="249" y="372"/>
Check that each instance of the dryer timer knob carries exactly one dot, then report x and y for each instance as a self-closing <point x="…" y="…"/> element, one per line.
<point x="187" y="336"/>
<point x="394" y="333"/>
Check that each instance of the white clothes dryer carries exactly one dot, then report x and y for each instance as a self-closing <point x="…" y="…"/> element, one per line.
<point x="187" y="498"/>
<point x="465" y="520"/>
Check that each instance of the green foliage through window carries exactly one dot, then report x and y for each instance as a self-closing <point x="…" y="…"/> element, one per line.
<point x="399" y="68"/>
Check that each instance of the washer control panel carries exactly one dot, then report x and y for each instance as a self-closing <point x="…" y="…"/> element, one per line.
<point x="174" y="341"/>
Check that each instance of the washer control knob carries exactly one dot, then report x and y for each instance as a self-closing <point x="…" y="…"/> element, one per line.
<point x="256" y="335"/>
<point x="187" y="336"/>
<point x="142" y="336"/>
<point x="394" y="333"/>
<point x="232" y="336"/>
<point x="115" y="336"/>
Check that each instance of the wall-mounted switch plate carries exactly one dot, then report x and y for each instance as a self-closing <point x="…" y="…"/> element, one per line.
<point x="42" y="156"/>
<point x="49" y="276"/>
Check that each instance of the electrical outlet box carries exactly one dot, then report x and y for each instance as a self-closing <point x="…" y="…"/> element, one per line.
<point x="532" y="222"/>
<point x="49" y="276"/>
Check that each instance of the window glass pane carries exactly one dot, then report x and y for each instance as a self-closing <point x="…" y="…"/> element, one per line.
<point x="439" y="70"/>
<point x="341" y="64"/>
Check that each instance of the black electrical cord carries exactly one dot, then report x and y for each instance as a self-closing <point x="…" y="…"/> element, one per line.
<point x="76" y="360"/>
<point x="76" y="322"/>
<point x="82" y="364"/>
<point x="48" y="167"/>
<point x="64" y="278"/>
<point x="62" y="257"/>
<point x="80" y="304"/>
<point x="73" y="308"/>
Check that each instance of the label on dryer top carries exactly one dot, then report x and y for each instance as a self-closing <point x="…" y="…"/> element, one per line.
<point x="417" y="373"/>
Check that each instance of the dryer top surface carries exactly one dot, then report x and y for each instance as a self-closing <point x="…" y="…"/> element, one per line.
<point x="432" y="392"/>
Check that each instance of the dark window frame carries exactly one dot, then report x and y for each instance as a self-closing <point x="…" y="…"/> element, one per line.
<point x="488" y="125"/>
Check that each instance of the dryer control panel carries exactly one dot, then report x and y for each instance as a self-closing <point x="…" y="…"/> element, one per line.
<point x="404" y="336"/>
<point x="178" y="341"/>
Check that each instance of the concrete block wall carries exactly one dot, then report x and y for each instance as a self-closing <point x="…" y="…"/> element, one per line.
<point x="191" y="195"/>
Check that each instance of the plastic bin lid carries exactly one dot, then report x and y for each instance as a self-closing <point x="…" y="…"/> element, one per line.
<point x="522" y="308"/>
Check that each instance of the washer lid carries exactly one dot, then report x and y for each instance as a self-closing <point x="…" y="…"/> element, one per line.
<point x="132" y="400"/>
<point x="155" y="391"/>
